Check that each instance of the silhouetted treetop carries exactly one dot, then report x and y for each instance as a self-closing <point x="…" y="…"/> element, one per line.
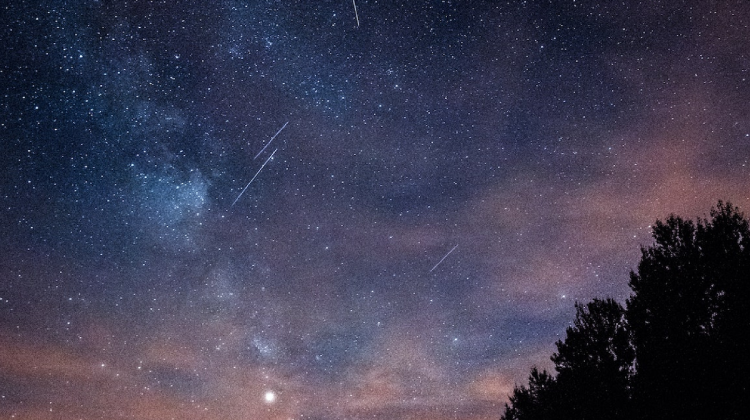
<point x="597" y="340"/>
<point x="593" y="367"/>
<point x="679" y="351"/>
<point x="689" y="315"/>
<point x="536" y="402"/>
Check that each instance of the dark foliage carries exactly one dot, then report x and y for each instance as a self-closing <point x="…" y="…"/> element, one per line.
<point x="535" y="401"/>
<point x="690" y="321"/>
<point x="593" y="367"/>
<point x="594" y="363"/>
<point x="679" y="351"/>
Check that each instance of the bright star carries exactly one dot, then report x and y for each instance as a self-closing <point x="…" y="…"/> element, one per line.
<point x="269" y="397"/>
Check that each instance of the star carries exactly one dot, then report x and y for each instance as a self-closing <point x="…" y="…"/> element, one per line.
<point x="269" y="397"/>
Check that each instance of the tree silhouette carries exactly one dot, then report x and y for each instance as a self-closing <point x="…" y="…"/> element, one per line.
<point x="681" y="349"/>
<point x="538" y="401"/>
<point x="595" y="362"/>
<point x="689" y="318"/>
<point x="593" y="367"/>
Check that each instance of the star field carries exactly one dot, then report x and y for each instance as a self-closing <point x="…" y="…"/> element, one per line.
<point x="281" y="210"/>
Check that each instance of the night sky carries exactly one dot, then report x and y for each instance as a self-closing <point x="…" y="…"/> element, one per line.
<point x="301" y="210"/>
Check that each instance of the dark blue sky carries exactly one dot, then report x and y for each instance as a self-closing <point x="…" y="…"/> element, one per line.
<point x="531" y="144"/>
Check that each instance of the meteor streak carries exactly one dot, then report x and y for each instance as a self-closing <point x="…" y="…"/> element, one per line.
<point x="446" y="256"/>
<point x="355" y="12"/>
<point x="269" y="141"/>
<point x="256" y="174"/>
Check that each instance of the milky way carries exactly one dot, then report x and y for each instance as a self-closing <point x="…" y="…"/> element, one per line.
<point x="335" y="210"/>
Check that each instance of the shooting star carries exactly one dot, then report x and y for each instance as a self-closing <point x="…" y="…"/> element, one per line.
<point x="356" y="15"/>
<point x="251" y="181"/>
<point x="446" y="256"/>
<point x="269" y="141"/>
